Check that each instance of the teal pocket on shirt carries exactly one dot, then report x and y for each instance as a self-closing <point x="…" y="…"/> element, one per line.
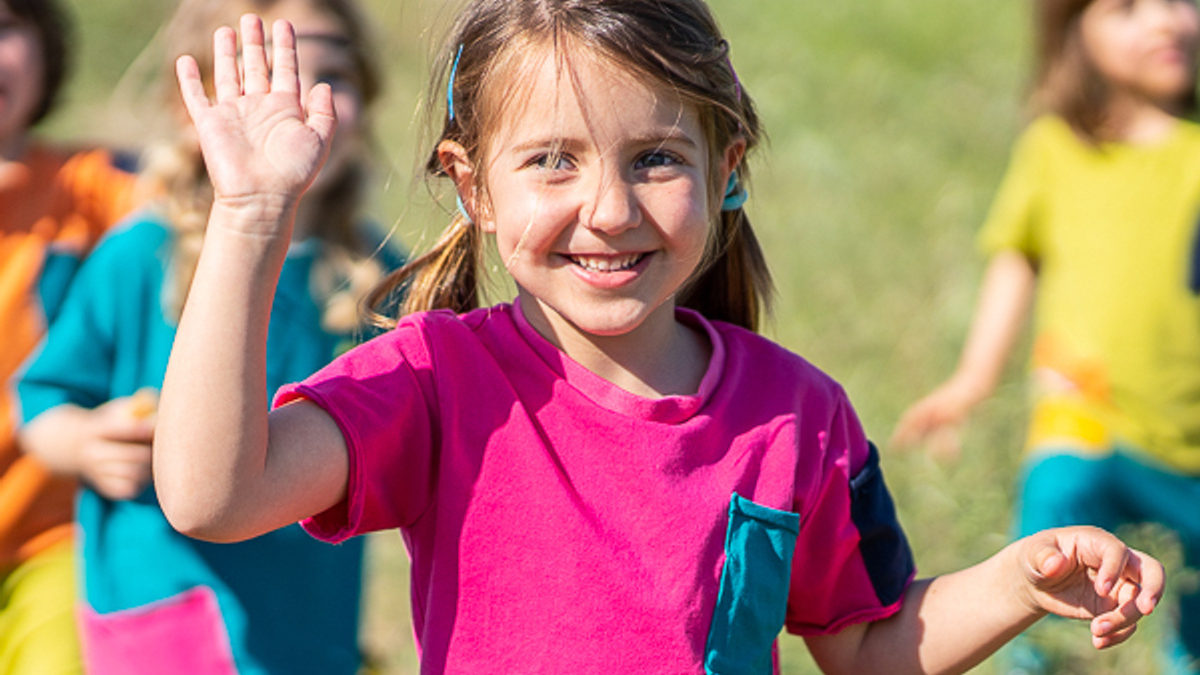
<point x="752" y="600"/>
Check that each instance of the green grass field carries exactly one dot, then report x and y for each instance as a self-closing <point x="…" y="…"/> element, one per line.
<point x="889" y="125"/>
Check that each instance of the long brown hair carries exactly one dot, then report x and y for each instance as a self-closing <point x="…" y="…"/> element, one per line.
<point x="1065" y="81"/>
<point x="346" y="268"/>
<point x="674" y="43"/>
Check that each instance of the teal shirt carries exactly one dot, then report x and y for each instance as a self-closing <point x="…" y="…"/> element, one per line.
<point x="289" y="603"/>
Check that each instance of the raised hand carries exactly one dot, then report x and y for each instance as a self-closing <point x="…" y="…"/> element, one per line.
<point x="1087" y="573"/>
<point x="261" y="144"/>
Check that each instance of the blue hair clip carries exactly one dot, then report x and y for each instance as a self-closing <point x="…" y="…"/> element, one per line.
<point x="735" y="194"/>
<point x="450" y="84"/>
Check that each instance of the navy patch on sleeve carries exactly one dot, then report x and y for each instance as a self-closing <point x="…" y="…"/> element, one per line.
<point x="884" y="548"/>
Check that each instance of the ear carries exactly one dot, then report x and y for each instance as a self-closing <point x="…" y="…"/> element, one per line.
<point x="457" y="165"/>
<point x="732" y="157"/>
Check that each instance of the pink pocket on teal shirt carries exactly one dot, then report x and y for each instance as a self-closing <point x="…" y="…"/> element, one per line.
<point x="180" y="634"/>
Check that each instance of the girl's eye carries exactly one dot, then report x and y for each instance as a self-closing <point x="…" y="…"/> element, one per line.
<point x="338" y="81"/>
<point x="552" y="162"/>
<point x="658" y="158"/>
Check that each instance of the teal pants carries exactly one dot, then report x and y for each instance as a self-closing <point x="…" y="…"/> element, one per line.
<point x="1060" y="489"/>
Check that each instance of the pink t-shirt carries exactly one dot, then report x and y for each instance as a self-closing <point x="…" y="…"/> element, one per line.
<point x="558" y="523"/>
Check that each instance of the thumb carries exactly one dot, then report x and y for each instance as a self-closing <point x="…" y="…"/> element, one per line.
<point x="322" y="118"/>
<point x="1049" y="565"/>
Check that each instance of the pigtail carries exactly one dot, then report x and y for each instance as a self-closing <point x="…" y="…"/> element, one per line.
<point x="736" y="285"/>
<point x="445" y="277"/>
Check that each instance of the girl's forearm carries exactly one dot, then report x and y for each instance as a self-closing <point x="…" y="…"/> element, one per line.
<point x="1004" y="302"/>
<point x="947" y="624"/>
<point x="211" y="441"/>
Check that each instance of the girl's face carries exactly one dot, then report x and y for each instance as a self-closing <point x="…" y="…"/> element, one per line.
<point x="1143" y="48"/>
<point x="597" y="188"/>
<point x="21" y="75"/>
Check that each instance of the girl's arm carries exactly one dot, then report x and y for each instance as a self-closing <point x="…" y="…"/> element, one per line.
<point x="107" y="447"/>
<point x="950" y="623"/>
<point x="222" y="470"/>
<point x="1004" y="300"/>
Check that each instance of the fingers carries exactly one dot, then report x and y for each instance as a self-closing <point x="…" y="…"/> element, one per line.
<point x="1116" y="625"/>
<point x="254" y="56"/>
<point x="118" y="470"/>
<point x="1113" y="638"/>
<point x="191" y="87"/>
<point x="1149" y="579"/>
<point x="225" y="67"/>
<point x="285" y="76"/>
<point x="1114" y="557"/>
<point x="259" y="76"/>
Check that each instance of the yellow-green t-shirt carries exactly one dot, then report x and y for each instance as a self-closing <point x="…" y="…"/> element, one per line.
<point x="1112" y="230"/>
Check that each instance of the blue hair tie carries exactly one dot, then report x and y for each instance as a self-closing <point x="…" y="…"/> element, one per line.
<point x="450" y="84"/>
<point x="462" y="209"/>
<point x="735" y="194"/>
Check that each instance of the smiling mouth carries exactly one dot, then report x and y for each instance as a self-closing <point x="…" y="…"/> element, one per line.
<point x="608" y="263"/>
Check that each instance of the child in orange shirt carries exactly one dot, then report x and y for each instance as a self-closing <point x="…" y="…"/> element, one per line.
<point x="54" y="205"/>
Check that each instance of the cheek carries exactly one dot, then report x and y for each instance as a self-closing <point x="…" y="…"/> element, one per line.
<point x="349" y="110"/>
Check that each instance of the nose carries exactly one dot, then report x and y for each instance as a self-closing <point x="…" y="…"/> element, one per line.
<point x="1166" y="15"/>
<point x="614" y="206"/>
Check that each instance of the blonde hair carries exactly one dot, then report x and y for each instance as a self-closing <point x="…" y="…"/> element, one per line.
<point x="674" y="43"/>
<point x="346" y="268"/>
<point x="1066" y="83"/>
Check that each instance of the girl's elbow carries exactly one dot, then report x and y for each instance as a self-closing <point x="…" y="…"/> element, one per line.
<point x="195" y="516"/>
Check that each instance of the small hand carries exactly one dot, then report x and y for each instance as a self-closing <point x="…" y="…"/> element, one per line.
<point x="260" y="144"/>
<point x="936" y="421"/>
<point x="1087" y="573"/>
<point x="115" y="462"/>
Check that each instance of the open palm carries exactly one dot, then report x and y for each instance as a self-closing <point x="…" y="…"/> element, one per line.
<point x="257" y="138"/>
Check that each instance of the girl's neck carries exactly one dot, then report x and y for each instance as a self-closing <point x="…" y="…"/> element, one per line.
<point x="1139" y="122"/>
<point x="661" y="357"/>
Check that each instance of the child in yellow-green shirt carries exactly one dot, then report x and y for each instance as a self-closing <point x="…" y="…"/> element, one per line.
<point x="1098" y="218"/>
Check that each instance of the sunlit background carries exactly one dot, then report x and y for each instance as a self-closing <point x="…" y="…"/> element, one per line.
<point x="889" y="125"/>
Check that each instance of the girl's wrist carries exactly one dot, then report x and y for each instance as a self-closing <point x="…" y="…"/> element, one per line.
<point x="259" y="215"/>
<point x="969" y="388"/>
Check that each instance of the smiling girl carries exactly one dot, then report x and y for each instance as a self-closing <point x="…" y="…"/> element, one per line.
<point x="613" y="473"/>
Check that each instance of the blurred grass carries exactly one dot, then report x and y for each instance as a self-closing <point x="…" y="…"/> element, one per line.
<point x="889" y="125"/>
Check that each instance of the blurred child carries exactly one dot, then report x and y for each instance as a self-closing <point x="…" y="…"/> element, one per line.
<point x="156" y="601"/>
<point x="1098" y="214"/>
<point x="614" y="473"/>
<point x="54" y="204"/>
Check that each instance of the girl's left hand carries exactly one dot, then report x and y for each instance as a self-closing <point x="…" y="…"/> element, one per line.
<point x="261" y="145"/>
<point x="1087" y="573"/>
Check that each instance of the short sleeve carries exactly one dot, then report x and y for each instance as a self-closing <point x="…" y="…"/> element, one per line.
<point x="74" y="364"/>
<point x="852" y="561"/>
<point x="1014" y="220"/>
<point x="381" y="396"/>
<point x="104" y="190"/>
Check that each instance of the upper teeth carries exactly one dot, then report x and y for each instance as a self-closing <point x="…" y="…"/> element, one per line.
<point x="607" y="263"/>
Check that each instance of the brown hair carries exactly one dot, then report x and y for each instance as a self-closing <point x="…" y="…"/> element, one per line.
<point x="346" y="268"/>
<point x="53" y="31"/>
<point x="675" y="43"/>
<point x="1065" y="81"/>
